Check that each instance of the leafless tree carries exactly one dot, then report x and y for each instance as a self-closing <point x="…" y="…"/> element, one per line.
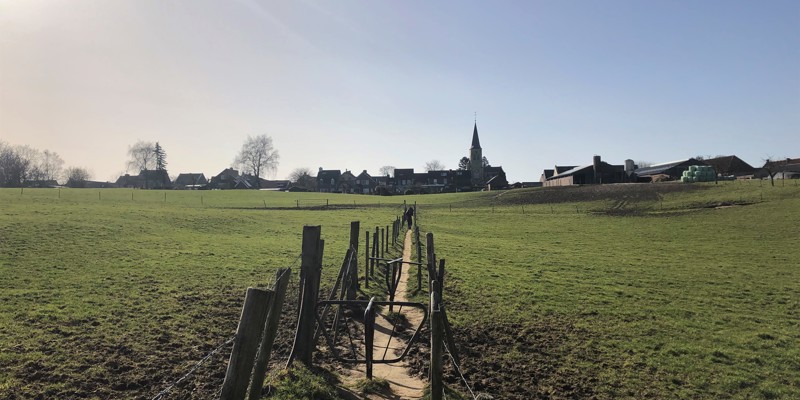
<point x="772" y="168"/>
<point x="77" y="176"/>
<point x="141" y="156"/>
<point x="257" y="157"/>
<point x="643" y="164"/>
<point x="434" y="165"/>
<point x="49" y="166"/>
<point x="386" y="170"/>
<point x="16" y="164"/>
<point x="303" y="177"/>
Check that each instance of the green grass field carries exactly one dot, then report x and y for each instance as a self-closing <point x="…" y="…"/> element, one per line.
<point x="645" y="291"/>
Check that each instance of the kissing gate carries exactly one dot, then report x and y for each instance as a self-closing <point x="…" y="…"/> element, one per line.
<point x="314" y="320"/>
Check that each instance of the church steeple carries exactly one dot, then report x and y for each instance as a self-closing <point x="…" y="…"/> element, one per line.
<point x="476" y="143"/>
<point x="476" y="159"/>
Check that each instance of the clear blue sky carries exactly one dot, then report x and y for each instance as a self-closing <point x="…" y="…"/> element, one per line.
<point x="360" y="84"/>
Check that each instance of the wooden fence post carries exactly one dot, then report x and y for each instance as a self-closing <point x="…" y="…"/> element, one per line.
<point x="437" y="386"/>
<point x="431" y="259"/>
<point x="366" y="259"/>
<point x="270" y="332"/>
<point x="386" y="241"/>
<point x="352" y="270"/>
<point x="310" y="271"/>
<point x="245" y="344"/>
<point x="419" y="259"/>
<point x="375" y="252"/>
<point x="383" y="243"/>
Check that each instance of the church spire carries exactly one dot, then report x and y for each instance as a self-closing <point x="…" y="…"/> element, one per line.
<point x="476" y="143"/>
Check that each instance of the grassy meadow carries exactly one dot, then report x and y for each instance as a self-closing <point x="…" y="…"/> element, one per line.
<point x="620" y="291"/>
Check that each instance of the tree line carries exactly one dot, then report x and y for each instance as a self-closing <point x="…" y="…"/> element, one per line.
<point x="25" y="166"/>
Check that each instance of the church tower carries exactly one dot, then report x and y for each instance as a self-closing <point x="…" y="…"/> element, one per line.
<point x="476" y="159"/>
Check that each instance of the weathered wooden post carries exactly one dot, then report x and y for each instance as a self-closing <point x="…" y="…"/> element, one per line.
<point x="310" y="270"/>
<point x="245" y="344"/>
<point x="352" y="270"/>
<point x="386" y="241"/>
<point x="270" y="332"/>
<point x="366" y="259"/>
<point x="419" y="259"/>
<point x="375" y="252"/>
<point x="437" y="386"/>
<point x="431" y="257"/>
<point x="383" y="243"/>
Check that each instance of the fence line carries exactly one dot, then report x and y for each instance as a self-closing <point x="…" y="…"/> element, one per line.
<point x="166" y="390"/>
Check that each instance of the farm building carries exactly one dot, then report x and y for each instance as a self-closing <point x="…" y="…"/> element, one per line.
<point x="788" y="169"/>
<point x="731" y="166"/>
<point x="673" y="169"/>
<point x="190" y="181"/>
<point x="598" y="172"/>
<point x="147" y="179"/>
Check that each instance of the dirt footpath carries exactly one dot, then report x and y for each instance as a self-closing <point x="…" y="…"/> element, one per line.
<point x="402" y="383"/>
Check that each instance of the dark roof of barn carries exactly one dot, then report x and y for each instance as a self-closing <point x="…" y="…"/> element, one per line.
<point x="190" y="179"/>
<point x="660" y="168"/>
<point x="730" y="164"/>
<point x="562" y="168"/>
<point x="569" y="172"/>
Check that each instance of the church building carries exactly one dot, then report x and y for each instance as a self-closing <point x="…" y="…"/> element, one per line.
<point x="483" y="176"/>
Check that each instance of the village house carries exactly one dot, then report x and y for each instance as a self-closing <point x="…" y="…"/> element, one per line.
<point x="328" y="180"/>
<point x="347" y="182"/>
<point x="227" y="179"/>
<point x="190" y="181"/>
<point x="365" y="184"/>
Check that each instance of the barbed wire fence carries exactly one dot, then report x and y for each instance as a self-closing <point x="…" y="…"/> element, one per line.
<point x="163" y="394"/>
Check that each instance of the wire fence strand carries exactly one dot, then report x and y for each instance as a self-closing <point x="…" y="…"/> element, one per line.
<point x="197" y="365"/>
<point x="458" y="370"/>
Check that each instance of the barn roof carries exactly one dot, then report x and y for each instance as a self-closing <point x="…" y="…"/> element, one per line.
<point x="660" y="168"/>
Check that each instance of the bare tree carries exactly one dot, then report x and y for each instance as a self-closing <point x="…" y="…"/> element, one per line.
<point x="485" y="162"/>
<point x="386" y="170"/>
<point x="643" y="164"/>
<point x="302" y="177"/>
<point x="142" y="156"/>
<point x="16" y="164"/>
<point x="77" y="176"/>
<point x="49" y="165"/>
<point x="257" y="156"/>
<point x="434" y="165"/>
<point x="772" y="167"/>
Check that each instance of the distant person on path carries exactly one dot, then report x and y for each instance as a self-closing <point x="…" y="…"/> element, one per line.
<point x="409" y="216"/>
